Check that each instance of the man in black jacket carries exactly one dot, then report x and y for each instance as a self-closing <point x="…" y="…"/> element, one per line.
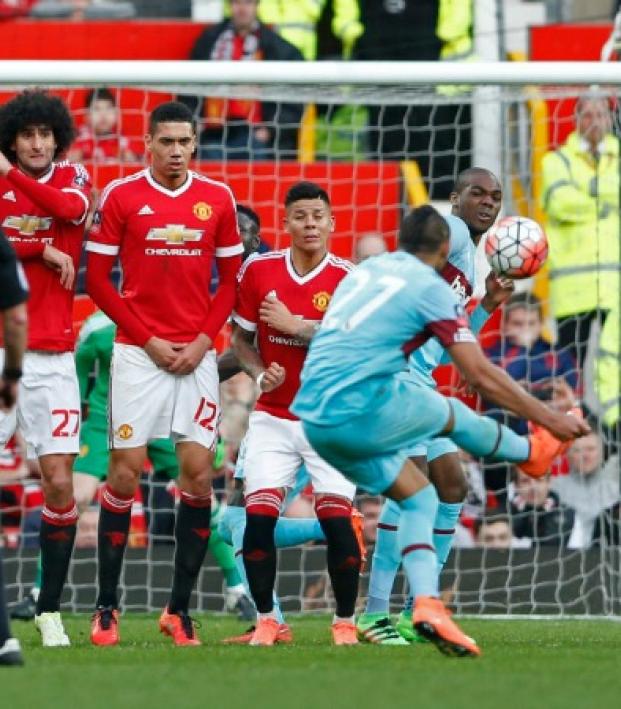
<point x="240" y="129"/>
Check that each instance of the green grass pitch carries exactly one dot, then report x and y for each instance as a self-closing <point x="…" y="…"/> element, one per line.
<point x="548" y="664"/>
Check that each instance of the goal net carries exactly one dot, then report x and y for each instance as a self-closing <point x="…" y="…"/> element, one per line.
<point x="381" y="138"/>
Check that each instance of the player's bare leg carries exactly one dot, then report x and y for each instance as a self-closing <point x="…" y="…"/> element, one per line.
<point x="84" y="490"/>
<point x="114" y="520"/>
<point x="58" y="528"/>
<point x="191" y="539"/>
<point x="418" y="502"/>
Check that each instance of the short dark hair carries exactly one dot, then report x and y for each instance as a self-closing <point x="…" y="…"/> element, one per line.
<point x="423" y="230"/>
<point x="170" y="112"/>
<point x="306" y="190"/>
<point x="100" y="94"/>
<point x="526" y="300"/>
<point x="250" y="213"/>
<point x="465" y="177"/>
<point x="35" y="108"/>
<point x="491" y="516"/>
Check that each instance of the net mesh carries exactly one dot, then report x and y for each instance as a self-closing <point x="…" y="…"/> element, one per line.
<point x="378" y="151"/>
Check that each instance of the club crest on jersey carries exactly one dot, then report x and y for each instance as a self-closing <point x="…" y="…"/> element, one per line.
<point x="174" y="234"/>
<point x="27" y="225"/>
<point x="125" y="431"/>
<point x="202" y="211"/>
<point x="321" y="301"/>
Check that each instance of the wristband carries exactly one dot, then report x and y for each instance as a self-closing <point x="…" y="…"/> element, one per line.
<point x="259" y="379"/>
<point x="12" y="374"/>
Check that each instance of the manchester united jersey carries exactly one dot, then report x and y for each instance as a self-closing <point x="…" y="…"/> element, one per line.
<point x="305" y="296"/>
<point x="30" y="228"/>
<point x="166" y="241"/>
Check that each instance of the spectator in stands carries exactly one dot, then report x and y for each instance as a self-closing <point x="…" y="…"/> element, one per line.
<point x="580" y="196"/>
<point x="370" y="508"/>
<point x="99" y="139"/>
<point x="86" y="535"/>
<point x="537" y="514"/>
<point x="436" y="136"/>
<point x="297" y="22"/>
<point x="244" y="129"/>
<point x="591" y="490"/>
<point x="523" y="353"/>
<point x="371" y="244"/>
<point x="493" y="531"/>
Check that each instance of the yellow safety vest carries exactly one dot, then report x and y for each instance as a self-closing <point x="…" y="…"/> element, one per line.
<point x="580" y="198"/>
<point x="607" y="366"/>
<point x="296" y="21"/>
<point x="454" y="29"/>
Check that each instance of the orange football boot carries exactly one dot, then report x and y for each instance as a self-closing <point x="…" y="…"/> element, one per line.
<point x="284" y="636"/>
<point x="357" y="522"/>
<point x="105" y="627"/>
<point x="344" y="633"/>
<point x="433" y="621"/>
<point x="266" y="632"/>
<point x="180" y="627"/>
<point x="544" y="448"/>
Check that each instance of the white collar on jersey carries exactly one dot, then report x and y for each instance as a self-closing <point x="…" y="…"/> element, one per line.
<point x="47" y="176"/>
<point x="171" y="193"/>
<point x="301" y="280"/>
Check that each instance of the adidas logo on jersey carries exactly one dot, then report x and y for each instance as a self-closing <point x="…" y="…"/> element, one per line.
<point x="146" y="210"/>
<point x="10" y="195"/>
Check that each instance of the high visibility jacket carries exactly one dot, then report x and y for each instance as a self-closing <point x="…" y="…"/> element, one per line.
<point x="296" y="21"/>
<point x="454" y="29"/>
<point x="607" y="366"/>
<point x="580" y="197"/>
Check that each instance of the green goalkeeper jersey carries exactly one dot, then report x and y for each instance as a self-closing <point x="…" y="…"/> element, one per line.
<point x="93" y="353"/>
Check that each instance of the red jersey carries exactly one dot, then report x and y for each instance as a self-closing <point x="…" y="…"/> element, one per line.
<point x="166" y="241"/>
<point x="105" y="148"/>
<point x="305" y="296"/>
<point x="34" y="213"/>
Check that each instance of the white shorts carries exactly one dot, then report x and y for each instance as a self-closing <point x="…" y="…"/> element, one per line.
<point x="48" y="405"/>
<point x="147" y="402"/>
<point x="275" y="449"/>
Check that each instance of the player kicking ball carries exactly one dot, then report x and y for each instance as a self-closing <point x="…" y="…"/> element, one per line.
<point x="165" y="223"/>
<point x="363" y="416"/>
<point x="282" y="297"/>
<point x="43" y="206"/>
<point x="476" y="200"/>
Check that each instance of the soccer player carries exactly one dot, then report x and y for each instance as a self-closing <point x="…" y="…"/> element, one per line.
<point x="43" y="205"/>
<point x="476" y="200"/>
<point x="363" y="415"/>
<point x="13" y="295"/>
<point x="282" y="297"/>
<point x="165" y="223"/>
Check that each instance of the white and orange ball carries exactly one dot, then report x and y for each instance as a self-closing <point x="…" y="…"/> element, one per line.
<point x="516" y="247"/>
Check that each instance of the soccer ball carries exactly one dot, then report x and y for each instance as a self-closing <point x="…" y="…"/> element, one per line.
<point x="516" y="247"/>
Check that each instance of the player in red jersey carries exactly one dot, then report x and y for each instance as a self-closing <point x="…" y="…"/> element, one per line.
<point x="43" y="205"/>
<point x="282" y="297"/>
<point x="165" y="224"/>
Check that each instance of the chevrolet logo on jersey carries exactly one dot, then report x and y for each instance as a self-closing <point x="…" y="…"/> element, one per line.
<point x="174" y="234"/>
<point x="27" y="225"/>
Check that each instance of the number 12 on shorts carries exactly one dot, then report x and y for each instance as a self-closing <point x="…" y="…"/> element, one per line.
<point x="206" y="414"/>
